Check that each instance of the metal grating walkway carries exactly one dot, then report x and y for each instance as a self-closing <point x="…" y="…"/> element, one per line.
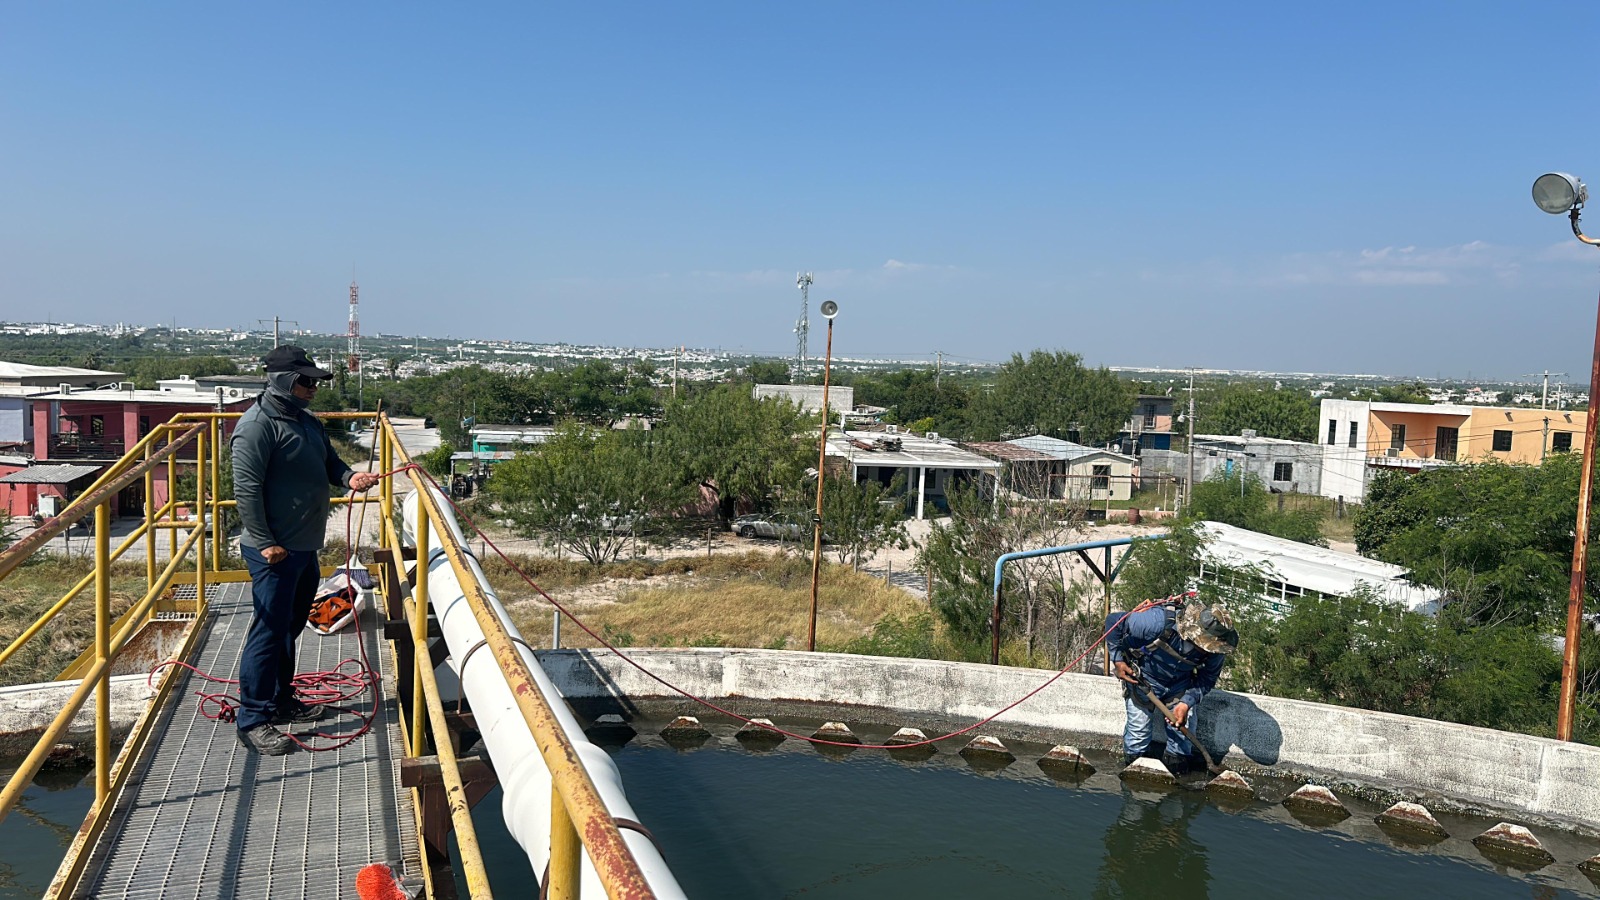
<point x="202" y="818"/>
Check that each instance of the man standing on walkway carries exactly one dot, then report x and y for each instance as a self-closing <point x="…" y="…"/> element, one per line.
<point x="1175" y="651"/>
<point x="283" y="465"/>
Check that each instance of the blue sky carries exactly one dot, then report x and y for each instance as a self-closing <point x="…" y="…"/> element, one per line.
<point x="1329" y="187"/>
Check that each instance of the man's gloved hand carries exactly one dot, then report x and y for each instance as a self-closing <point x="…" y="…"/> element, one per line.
<point x="274" y="554"/>
<point x="1125" y="672"/>
<point x="361" y="481"/>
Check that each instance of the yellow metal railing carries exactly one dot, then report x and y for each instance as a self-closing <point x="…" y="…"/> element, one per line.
<point x="197" y="442"/>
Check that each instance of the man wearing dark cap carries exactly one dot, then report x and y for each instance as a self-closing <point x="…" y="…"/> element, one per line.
<point x="283" y="464"/>
<point x="1176" y="650"/>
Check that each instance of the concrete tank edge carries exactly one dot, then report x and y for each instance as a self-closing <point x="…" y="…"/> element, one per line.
<point x="1468" y="768"/>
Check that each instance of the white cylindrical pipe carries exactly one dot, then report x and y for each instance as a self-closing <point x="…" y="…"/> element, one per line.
<point x="524" y="779"/>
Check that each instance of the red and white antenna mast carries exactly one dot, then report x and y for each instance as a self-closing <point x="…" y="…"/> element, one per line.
<point x="354" y="335"/>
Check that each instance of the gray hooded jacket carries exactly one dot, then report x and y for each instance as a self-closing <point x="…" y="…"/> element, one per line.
<point x="282" y="467"/>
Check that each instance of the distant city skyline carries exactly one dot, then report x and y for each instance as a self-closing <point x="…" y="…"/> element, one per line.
<point x="1253" y="187"/>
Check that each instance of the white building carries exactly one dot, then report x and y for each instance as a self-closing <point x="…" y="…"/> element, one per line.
<point x="933" y="467"/>
<point x="1287" y="570"/>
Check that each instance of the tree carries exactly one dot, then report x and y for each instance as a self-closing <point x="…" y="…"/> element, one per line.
<point x="1494" y="537"/>
<point x="1041" y="603"/>
<point x="767" y="371"/>
<point x="1241" y="500"/>
<point x="749" y="451"/>
<point x="1052" y="393"/>
<point x="590" y="490"/>
<point x="1268" y="410"/>
<point x="858" y="518"/>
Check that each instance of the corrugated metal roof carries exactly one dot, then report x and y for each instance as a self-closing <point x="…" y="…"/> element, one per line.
<point x="1313" y="568"/>
<point x="61" y="473"/>
<point x="1007" y="452"/>
<point x="1055" y="448"/>
<point x="23" y="370"/>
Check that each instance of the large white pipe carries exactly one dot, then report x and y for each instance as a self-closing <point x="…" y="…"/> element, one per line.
<point x="523" y="777"/>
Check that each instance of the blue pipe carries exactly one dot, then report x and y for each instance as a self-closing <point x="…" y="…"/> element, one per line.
<point x="999" y="565"/>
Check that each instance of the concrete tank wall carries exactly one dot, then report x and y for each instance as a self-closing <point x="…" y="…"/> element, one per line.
<point x="1538" y="777"/>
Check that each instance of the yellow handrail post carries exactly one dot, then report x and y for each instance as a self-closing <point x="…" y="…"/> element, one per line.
<point x="216" y="494"/>
<point x="149" y="523"/>
<point x="562" y="883"/>
<point x="386" y="491"/>
<point x="102" y="650"/>
<point x="200" y="524"/>
<point x="172" y="495"/>
<point x="419" y="636"/>
<point x="455" y="792"/>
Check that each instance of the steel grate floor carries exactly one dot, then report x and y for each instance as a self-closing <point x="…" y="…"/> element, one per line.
<point x="202" y="818"/>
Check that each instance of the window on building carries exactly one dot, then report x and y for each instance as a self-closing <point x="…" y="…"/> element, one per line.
<point x="1352" y="434"/>
<point x="1333" y="432"/>
<point x="1502" y="441"/>
<point x="1102" y="479"/>
<point x="1149" y="415"/>
<point x="1283" y="471"/>
<point x="97" y="425"/>
<point x="1561" y="441"/>
<point x="1444" y="443"/>
<point x="144" y="425"/>
<point x="1397" y="437"/>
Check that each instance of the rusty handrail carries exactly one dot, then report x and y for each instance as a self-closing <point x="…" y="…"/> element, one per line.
<point x="579" y="799"/>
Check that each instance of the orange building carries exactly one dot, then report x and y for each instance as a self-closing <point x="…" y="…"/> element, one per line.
<point x="1359" y="437"/>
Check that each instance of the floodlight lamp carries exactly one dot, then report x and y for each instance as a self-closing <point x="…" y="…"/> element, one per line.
<point x="1557" y="192"/>
<point x="829" y="309"/>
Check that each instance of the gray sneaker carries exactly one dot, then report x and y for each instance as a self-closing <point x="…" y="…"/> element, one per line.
<point x="266" y="740"/>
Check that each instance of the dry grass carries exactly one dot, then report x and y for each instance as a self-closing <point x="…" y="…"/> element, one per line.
<point x="749" y="600"/>
<point x="34" y="588"/>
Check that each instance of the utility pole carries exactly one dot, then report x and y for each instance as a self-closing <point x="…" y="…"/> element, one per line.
<point x="938" y="367"/>
<point x="1544" y="442"/>
<point x="677" y="352"/>
<point x="1544" y="397"/>
<point x="276" y="341"/>
<point x="1188" y="486"/>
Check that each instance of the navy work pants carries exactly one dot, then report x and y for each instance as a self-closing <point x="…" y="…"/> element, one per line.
<point x="282" y="595"/>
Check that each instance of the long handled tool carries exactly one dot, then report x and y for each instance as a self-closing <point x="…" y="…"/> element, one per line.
<point x="1150" y="695"/>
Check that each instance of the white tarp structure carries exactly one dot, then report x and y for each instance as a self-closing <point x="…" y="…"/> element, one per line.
<point x="1290" y="570"/>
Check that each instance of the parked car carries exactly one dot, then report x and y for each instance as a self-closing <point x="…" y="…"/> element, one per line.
<point x="771" y="526"/>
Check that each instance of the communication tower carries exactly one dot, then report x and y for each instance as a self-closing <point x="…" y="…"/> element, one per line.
<point x="354" y="335"/>
<point x="802" y="327"/>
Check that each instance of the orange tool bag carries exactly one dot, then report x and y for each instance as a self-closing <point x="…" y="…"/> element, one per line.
<point x="339" y="598"/>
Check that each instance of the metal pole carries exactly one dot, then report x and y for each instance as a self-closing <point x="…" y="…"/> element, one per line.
<point x="562" y="883"/>
<point x="1580" y="551"/>
<point x="149" y="524"/>
<point x="200" y="523"/>
<point x="419" y="633"/>
<point x="102" y="650"/>
<point x="216" y="494"/>
<point x="822" y="458"/>
<point x="1188" y="486"/>
<point x="1107" y="584"/>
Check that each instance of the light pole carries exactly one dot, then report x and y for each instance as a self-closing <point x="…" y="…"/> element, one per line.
<point x="829" y="309"/>
<point x="1557" y="193"/>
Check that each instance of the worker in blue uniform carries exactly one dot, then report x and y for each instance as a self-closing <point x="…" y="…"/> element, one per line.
<point x="1176" y="650"/>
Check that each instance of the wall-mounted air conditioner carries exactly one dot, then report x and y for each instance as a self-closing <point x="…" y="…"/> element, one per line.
<point x="64" y="388"/>
<point x="1392" y="451"/>
<point x="125" y="386"/>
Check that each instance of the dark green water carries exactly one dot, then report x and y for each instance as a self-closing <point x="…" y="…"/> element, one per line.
<point x="35" y="837"/>
<point x="793" y="823"/>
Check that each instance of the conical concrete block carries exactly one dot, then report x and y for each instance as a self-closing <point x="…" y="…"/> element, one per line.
<point x="1316" y="805"/>
<point x="1230" y="785"/>
<point x="1065" y="763"/>
<point x="987" y="753"/>
<point x="1149" y="772"/>
<point x="1513" y="845"/>
<point x="755" y="737"/>
<point x="1411" y="820"/>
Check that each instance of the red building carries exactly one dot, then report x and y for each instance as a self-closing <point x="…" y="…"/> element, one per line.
<point x="94" y="427"/>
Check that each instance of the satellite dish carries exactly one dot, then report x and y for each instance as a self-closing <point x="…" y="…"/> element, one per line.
<point x="829" y="309"/>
